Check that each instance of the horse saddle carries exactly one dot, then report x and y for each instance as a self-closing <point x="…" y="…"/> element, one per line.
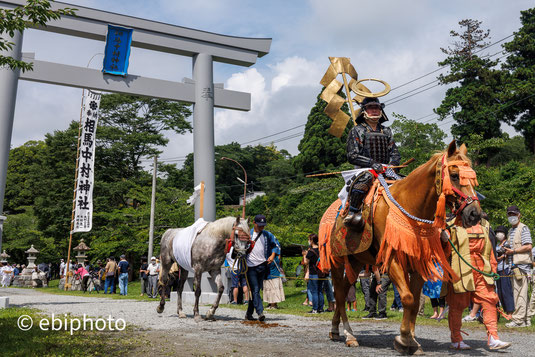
<point x="344" y="241"/>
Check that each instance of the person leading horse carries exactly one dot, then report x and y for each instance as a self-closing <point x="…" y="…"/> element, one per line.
<point x="369" y="144"/>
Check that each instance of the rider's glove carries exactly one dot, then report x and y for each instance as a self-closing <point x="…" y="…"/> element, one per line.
<point x="377" y="167"/>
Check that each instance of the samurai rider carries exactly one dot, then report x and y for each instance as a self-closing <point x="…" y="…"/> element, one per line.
<point x="369" y="144"/>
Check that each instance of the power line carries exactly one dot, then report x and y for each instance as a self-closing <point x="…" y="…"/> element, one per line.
<point x="442" y="67"/>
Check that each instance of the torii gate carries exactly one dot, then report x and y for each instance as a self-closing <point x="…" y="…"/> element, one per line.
<point x="203" y="47"/>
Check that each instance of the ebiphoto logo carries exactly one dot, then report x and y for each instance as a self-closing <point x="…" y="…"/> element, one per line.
<point x="72" y="324"/>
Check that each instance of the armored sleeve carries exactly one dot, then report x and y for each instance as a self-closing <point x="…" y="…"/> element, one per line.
<point x="395" y="157"/>
<point x="355" y="149"/>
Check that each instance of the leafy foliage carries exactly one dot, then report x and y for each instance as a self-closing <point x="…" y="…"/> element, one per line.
<point x="520" y="70"/>
<point x="416" y="140"/>
<point x="34" y="13"/>
<point x="319" y="150"/>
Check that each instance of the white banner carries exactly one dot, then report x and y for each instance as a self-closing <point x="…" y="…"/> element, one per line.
<point x="86" y="164"/>
<point x="196" y="194"/>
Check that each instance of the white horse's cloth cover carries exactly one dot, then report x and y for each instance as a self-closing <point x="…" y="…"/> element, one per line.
<point x="184" y="240"/>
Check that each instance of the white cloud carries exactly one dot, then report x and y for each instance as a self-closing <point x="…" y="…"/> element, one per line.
<point x="295" y="71"/>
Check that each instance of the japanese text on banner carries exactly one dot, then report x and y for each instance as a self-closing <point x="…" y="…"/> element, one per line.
<point x="86" y="162"/>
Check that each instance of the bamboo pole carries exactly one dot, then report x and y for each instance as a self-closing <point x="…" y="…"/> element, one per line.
<point x="68" y="265"/>
<point x="152" y="207"/>
<point x="349" y="101"/>
<point x="405" y="164"/>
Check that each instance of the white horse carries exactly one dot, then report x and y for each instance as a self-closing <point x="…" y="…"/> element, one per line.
<point x="207" y="254"/>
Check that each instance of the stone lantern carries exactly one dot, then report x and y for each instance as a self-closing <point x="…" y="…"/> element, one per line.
<point x="32" y="255"/>
<point x="4" y="256"/>
<point x="81" y="249"/>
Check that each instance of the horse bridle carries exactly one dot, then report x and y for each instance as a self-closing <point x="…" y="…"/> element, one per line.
<point x="241" y="235"/>
<point x="466" y="175"/>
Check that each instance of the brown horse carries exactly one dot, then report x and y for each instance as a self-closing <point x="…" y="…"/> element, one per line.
<point x="446" y="179"/>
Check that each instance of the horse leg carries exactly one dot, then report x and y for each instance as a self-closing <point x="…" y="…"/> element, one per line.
<point x="216" y="275"/>
<point x="163" y="279"/>
<point x="181" y="282"/>
<point x="335" y="332"/>
<point x="341" y="287"/>
<point x="406" y="343"/>
<point x="197" y="282"/>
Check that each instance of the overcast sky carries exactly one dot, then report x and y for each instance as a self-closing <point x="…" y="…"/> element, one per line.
<point x="397" y="41"/>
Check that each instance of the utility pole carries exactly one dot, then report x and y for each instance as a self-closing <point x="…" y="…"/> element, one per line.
<point x="152" y="206"/>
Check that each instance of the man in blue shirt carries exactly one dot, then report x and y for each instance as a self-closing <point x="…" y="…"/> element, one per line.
<point x="264" y="250"/>
<point x="123" y="275"/>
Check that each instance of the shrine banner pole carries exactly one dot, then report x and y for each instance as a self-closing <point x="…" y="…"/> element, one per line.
<point x="68" y="263"/>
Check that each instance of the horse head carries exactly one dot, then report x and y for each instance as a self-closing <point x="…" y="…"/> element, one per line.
<point x="458" y="180"/>
<point x="241" y="238"/>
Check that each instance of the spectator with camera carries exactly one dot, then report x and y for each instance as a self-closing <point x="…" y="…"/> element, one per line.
<point x="518" y="252"/>
<point x="504" y="285"/>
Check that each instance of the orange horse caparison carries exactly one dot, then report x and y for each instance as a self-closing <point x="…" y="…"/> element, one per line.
<point x="405" y="248"/>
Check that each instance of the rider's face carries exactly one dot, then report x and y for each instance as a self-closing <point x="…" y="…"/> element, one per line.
<point x="373" y="110"/>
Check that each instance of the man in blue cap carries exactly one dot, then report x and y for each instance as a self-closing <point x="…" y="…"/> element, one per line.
<point x="264" y="249"/>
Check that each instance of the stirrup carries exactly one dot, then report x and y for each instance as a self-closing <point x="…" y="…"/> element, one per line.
<point x="354" y="221"/>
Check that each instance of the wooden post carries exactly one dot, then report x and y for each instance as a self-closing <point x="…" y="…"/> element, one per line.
<point x="68" y="263"/>
<point x="201" y="205"/>
<point x="349" y="101"/>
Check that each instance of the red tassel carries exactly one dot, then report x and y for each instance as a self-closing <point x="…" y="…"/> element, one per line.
<point x="440" y="213"/>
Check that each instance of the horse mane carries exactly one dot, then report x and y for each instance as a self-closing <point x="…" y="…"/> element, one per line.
<point x="220" y="228"/>
<point x="432" y="163"/>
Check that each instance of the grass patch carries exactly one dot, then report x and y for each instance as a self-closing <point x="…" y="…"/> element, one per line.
<point x="37" y="342"/>
<point x="134" y="292"/>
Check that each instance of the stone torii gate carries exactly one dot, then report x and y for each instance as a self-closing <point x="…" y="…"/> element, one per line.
<point x="203" y="47"/>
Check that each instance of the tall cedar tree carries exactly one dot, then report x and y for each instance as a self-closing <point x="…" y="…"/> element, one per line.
<point x="319" y="150"/>
<point x="473" y="103"/>
<point x="519" y="98"/>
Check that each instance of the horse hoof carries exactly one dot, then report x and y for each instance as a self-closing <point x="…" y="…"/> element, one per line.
<point x="210" y="318"/>
<point x="352" y="343"/>
<point x="182" y="315"/>
<point x="160" y="309"/>
<point x="197" y="318"/>
<point x="411" y="349"/>
<point x="334" y="336"/>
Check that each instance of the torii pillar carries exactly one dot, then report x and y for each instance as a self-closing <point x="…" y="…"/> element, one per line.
<point x="203" y="132"/>
<point x="8" y="94"/>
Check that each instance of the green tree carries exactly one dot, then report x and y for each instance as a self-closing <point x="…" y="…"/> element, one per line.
<point x="256" y="161"/>
<point x="416" y="140"/>
<point x="520" y="66"/>
<point x="34" y="13"/>
<point x="23" y="175"/>
<point x="319" y="150"/>
<point x="131" y="128"/>
<point x="474" y="103"/>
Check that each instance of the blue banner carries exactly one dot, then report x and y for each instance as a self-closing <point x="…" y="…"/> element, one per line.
<point x="117" y="52"/>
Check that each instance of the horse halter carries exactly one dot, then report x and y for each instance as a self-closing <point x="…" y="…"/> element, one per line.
<point x="467" y="177"/>
<point x="242" y="236"/>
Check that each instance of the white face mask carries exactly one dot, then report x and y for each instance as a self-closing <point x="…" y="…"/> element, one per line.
<point x="513" y="220"/>
<point x="500" y="236"/>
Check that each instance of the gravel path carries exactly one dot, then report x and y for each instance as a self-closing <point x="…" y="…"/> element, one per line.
<point x="288" y="336"/>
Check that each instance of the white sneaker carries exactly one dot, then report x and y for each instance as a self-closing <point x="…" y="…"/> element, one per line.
<point x="469" y="318"/>
<point x="459" y="346"/>
<point x="513" y="324"/>
<point x="497" y="344"/>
